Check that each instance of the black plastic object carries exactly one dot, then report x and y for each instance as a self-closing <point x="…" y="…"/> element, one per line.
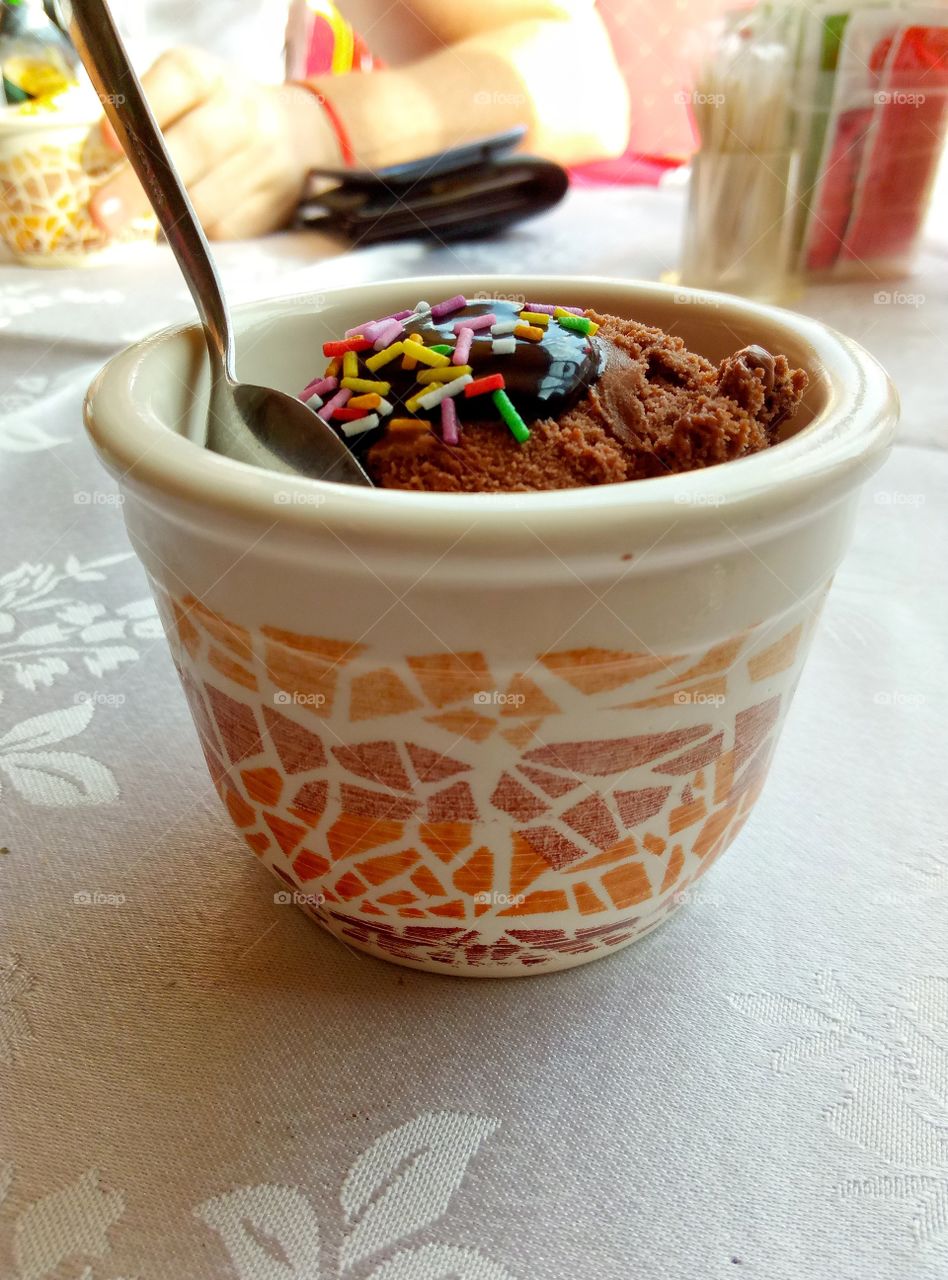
<point x="473" y="190"/>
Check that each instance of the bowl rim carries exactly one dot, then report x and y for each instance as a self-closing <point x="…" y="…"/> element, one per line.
<point x="831" y="455"/>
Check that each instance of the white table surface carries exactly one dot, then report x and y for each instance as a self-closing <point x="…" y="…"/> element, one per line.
<point x="196" y="1082"/>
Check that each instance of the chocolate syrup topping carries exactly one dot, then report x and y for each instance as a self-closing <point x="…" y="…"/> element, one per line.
<point x="543" y="379"/>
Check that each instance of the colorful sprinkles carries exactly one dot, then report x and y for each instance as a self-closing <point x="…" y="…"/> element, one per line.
<point x="360" y="424"/>
<point x="382" y="358"/>
<point x="518" y="428"/>
<point x="318" y="387"/>
<point x="356" y="343"/>
<point x="474" y="323"/>
<point x="462" y="348"/>
<point x="544" y="308"/>
<point x="416" y="349"/>
<point x="457" y="303"/>
<point x="388" y="334"/>
<point x="339" y="401"/>
<point x="480" y="387"/>
<point x="445" y="372"/>
<point x="578" y="323"/>
<point x="449" y="422"/>
<point x="435" y="396"/>
<point x="367" y="386"/>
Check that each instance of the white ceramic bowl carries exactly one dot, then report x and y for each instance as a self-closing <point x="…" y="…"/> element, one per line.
<point x="489" y="734"/>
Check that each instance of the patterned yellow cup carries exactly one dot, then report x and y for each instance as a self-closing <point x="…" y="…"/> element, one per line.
<point x="489" y="734"/>
<point x="50" y="164"/>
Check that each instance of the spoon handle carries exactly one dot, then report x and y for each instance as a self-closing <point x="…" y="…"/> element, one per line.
<point x="100" y="46"/>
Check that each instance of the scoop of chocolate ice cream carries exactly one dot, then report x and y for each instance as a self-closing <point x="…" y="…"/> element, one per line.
<point x="655" y="408"/>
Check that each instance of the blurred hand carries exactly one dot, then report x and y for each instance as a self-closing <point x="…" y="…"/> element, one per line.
<point x="242" y="149"/>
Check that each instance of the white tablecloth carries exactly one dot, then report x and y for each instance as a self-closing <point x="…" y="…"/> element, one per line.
<point x="197" y="1082"/>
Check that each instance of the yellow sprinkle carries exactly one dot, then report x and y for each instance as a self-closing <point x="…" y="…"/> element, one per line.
<point x="350" y="365"/>
<point x="383" y="357"/>
<point x="536" y="318"/>
<point x="366" y="385"/>
<point x="416" y="350"/>
<point x="443" y="373"/>
<point x="410" y="361"/>
<point x="593" y="328"/>
<point x="364" y="402"/>
<point x="414" y="404"/>
<point x="528" y="331"/>
<point x="561" y="311"/>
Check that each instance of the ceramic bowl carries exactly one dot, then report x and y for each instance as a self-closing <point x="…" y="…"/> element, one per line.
<point x="51" y="163"/>
<point x="489" y="734"/>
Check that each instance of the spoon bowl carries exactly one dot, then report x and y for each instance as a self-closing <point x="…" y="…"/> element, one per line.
<point x="269" y="428"/>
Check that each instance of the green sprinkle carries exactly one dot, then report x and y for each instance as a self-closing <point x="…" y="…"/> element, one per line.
<point x="579" y="324"/>
<point x="443" y="349"/>
<point x="518" y="428"/>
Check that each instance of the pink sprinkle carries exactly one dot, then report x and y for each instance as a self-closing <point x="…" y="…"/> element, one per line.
<point x="442" y="309"/>
<point x="403" y="315"/>
<point x="449" y="421"/>
<point x="462" y="348"/>
<point x="389" y="333"/>
<point x="545" y="309"/>
<point x="338" y="400"/>
<point x="368" y="330"/>
<point x="477" y="322"/>
<point x="318" y="387"/>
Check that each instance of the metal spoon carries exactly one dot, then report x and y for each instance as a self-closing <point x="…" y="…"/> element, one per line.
<point x="252" y="424"/>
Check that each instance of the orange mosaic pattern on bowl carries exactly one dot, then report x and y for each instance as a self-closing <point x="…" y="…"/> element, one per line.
<point x="417" y="854"/>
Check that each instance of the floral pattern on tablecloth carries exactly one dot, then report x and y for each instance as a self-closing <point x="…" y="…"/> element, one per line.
<point x="51" y="630"/>
<point x="892" y="1101"/>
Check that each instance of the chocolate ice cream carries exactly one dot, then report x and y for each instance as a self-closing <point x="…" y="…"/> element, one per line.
<point x="494" y="395"/>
